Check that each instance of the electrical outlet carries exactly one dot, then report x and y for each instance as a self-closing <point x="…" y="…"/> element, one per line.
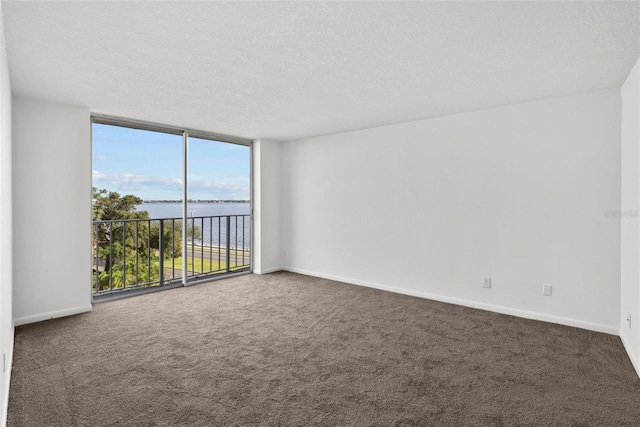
<point x="486" y="282"/>
<point x="546" y="290"/>
<point x="4" y="362"/>
<point x="629" y="320"/>
<point x="284" y="252"/>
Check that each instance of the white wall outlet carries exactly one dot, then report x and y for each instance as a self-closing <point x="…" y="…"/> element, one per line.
<point x="284" y="252"/>
<point x="629" y="320"/>
<point x="4" y="362"/>
<point x="486" y="283"/>
<point x="546" y="290"/>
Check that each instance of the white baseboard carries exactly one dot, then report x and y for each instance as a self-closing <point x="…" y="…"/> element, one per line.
<point x="52" y="315"/>
<point x="7" y="384"/>
<point x="632" y="356"/>
<point x="268" y="270"/>
<point x="468" y="303"/>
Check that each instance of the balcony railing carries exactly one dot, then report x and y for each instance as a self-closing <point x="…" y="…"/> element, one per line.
<point x="140" y="253"/>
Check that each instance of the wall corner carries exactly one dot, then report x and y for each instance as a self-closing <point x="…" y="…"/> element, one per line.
<point x="266" y="206"/>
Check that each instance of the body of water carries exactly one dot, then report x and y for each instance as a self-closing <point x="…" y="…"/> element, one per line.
<point x="213" y="229"/>
<point x="174" y="210"/>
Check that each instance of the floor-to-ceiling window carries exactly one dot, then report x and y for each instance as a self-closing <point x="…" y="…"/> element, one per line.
<point x="170" y="206"/>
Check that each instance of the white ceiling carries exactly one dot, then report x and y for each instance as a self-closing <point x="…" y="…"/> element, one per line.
<point x="289" y="70"/>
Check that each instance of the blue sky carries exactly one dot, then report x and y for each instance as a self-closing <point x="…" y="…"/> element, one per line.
<point x="149" y="165"/>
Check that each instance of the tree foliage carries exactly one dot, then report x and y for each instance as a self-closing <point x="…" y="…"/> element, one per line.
<point x="127" y="242"/>
<point x="109" y="205"/>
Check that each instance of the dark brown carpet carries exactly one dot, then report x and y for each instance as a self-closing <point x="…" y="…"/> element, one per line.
<point x="286" y="349"/>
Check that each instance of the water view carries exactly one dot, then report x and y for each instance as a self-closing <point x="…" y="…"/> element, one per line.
<point x="210" y="219"/>
<point x="174" y="210"/>
<point x="133" y="250"/>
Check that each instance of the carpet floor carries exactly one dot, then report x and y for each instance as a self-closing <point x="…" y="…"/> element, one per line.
<point x="291" y="350"/>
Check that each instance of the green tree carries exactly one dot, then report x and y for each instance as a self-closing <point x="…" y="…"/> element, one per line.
<point x="171" y="238"/>
<point x="121" y="245"/>
<point x="109" y="205"/>
<point x="127" y="241"/>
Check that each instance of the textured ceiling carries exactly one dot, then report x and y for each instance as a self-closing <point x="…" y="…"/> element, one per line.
<point x="288" y="70"/>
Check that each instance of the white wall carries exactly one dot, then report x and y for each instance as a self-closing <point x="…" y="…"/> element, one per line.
<point x="266" y="206"/>
<point x="630" y="255"/>
<point x="525" y="194"/>
<point x="51" y="210"/>
<point x="6" y="316"/>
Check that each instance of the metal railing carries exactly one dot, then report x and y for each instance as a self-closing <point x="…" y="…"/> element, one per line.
<point x="140" y="253"/>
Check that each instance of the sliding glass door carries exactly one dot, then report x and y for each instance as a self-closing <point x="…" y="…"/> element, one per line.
<point x="169" y="209"/>
<point x="218" y="208"/>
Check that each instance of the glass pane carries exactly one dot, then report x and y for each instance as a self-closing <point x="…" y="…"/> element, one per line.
<point x="218" y="223"/>
<point x="137" y="220"/>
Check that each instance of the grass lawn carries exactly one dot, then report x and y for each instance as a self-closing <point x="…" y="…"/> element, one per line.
<point x="198" y="264"/>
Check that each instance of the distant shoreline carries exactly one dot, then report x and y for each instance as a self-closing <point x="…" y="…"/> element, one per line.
<point x="196" y="201"/>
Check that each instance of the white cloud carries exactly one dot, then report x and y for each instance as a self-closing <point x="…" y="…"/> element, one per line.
<point x="154" y="186"/>
<point x="132" y="182"/>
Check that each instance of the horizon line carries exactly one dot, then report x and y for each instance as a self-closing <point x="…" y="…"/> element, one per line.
<point x="197" y="201"/>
